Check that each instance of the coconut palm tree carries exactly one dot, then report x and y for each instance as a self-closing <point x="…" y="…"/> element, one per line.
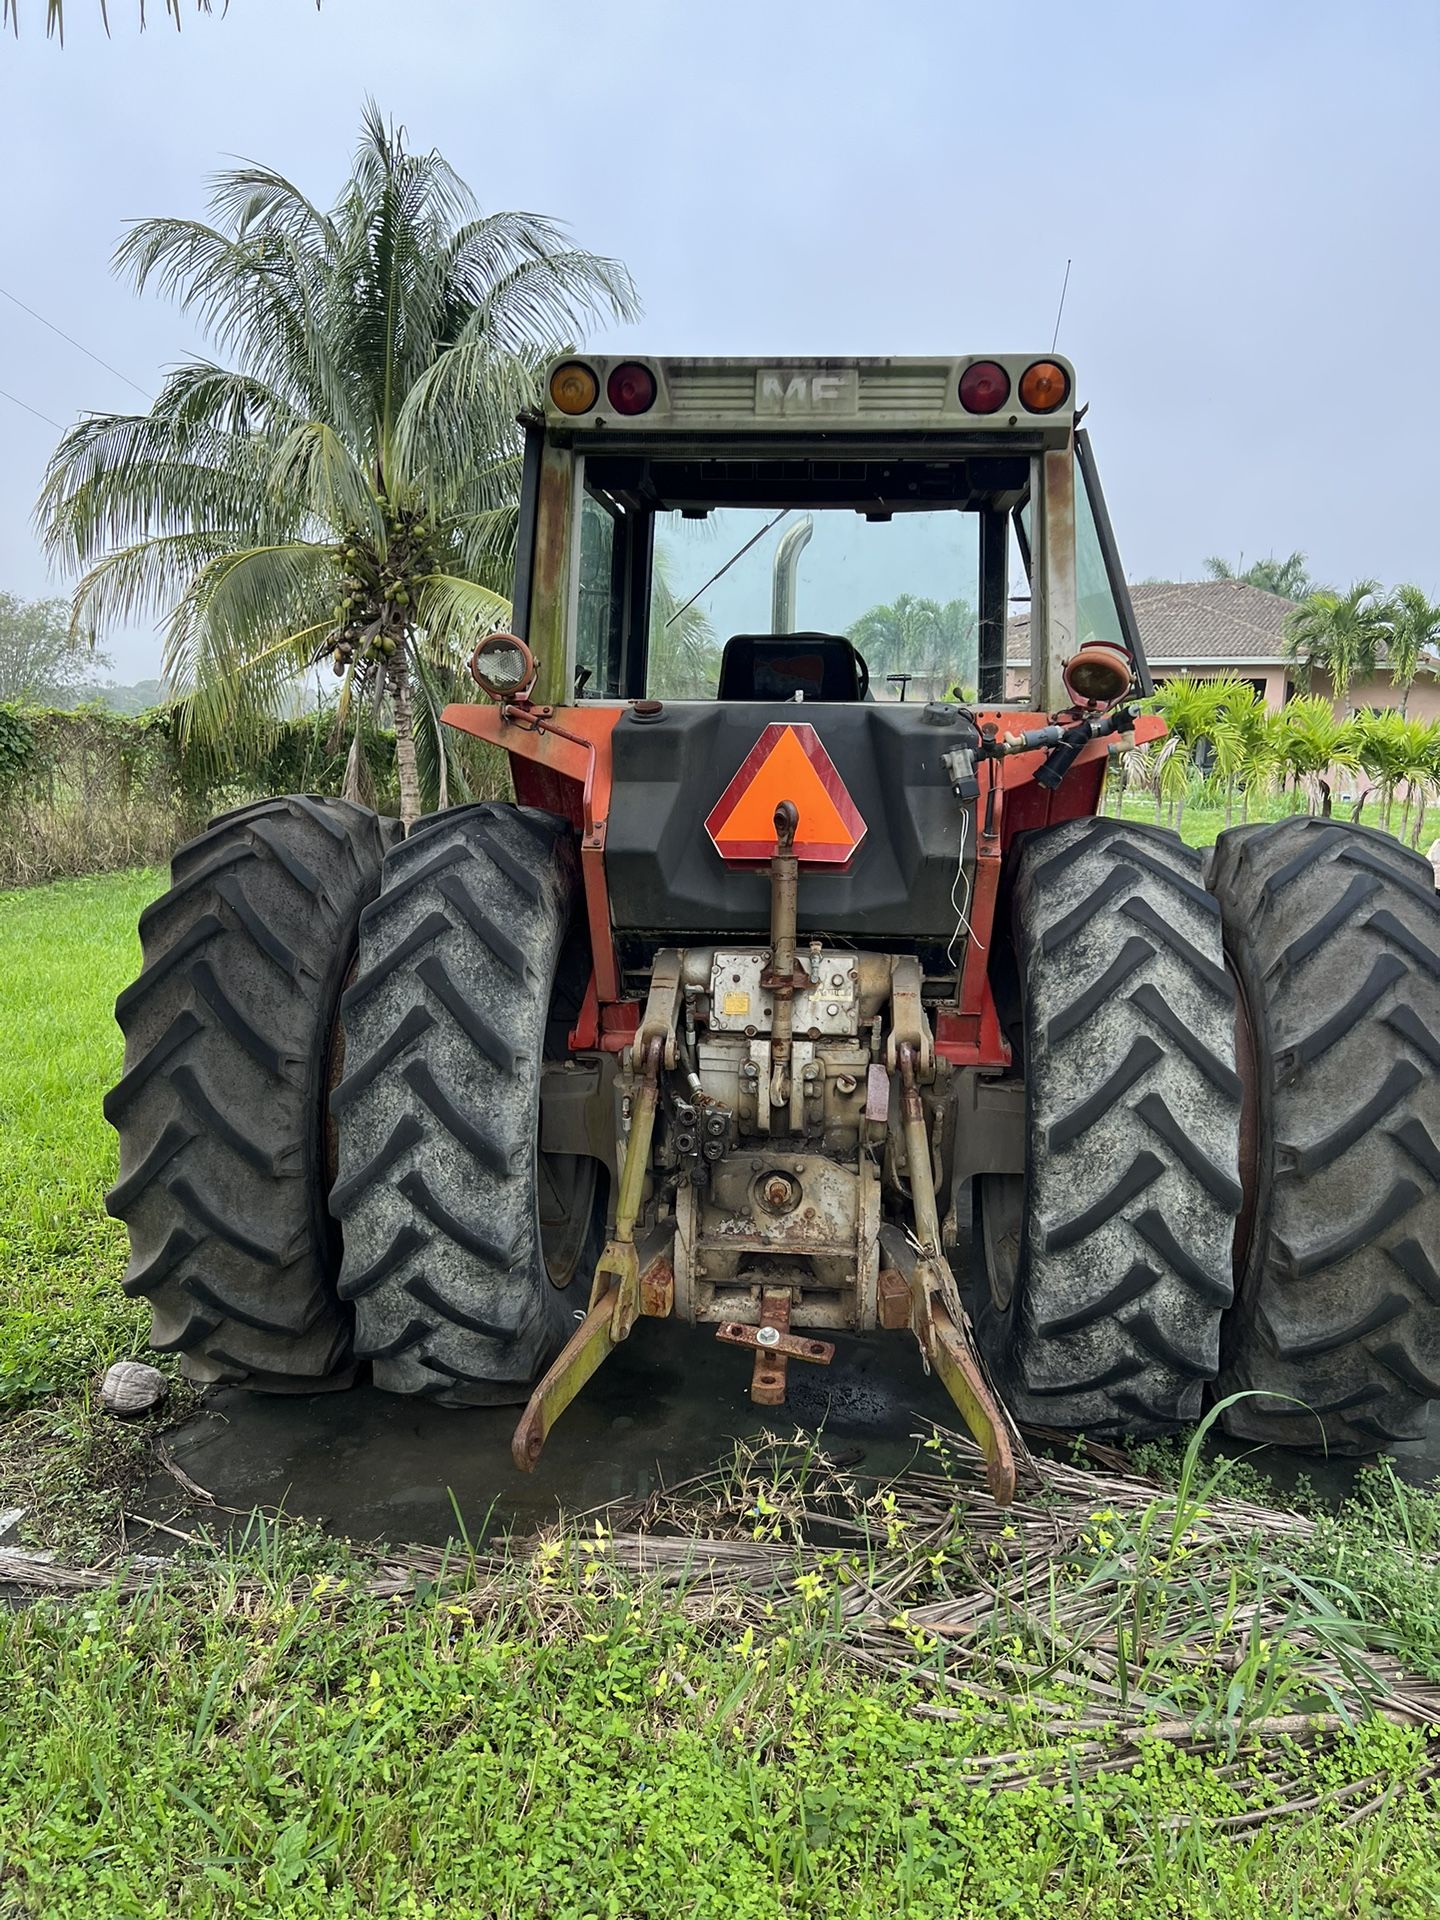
<point x="903" y="637"/>
<point x="1289" y="577"/>
<point x="1342" y="634"/>
<point x="683" y="662"/>
<point x="1311" y="741"/>
<point x="344" y="490"/>
<point x="1412" y="639"/>
<point x="55" y="14"/>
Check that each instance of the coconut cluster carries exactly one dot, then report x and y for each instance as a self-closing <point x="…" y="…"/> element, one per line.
<point x="377" y="590"/>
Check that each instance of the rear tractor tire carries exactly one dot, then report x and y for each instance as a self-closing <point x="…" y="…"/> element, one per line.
<point x="467" y="1251"/>
<point x="224" y="1159"/>
<point x="1103" y="1273"/>
<point x="1333" y="931"/>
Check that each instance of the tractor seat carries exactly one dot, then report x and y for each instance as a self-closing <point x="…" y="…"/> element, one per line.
<point x="777" y="666"/>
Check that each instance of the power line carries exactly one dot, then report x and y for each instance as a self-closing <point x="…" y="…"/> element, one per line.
<point x="70" y="338"/>
<point x="29" y="409"/>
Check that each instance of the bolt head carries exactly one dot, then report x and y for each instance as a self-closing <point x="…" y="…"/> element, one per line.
<point x="767" y="1336"/>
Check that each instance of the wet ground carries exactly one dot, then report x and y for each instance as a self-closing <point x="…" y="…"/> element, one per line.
<point x="668" y="1404"/>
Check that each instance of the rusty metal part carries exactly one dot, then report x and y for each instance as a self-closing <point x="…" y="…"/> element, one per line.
<point x="778" y="1192"/>
<point x="1053" y="609"/>
<point x="737" y="1334"/>
<point x="948" y="1346"/>
<point x="619" y="1293"/>
<point x="774" y="1345"/>
<point x="582" y="1353"/>
<point x="780" y="975"/>
<point x="951" y="1351"/>
<point x="619" y="1264"/>
<point x="657" y="1289"/>
<point x="593" y="1341"/>
<point x="909" y="1026"/>
<point x="662" y="1008"/>
<point x="893" y="1300"/>
<point x="767" y="1377"/>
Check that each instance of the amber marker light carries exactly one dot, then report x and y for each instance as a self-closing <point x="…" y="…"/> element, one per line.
<point x="574" y="388"/>
<point x="1044" y="387"/>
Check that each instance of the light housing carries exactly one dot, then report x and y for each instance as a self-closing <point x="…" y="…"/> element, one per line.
<point x="573" y="387"/>
<point x="1099" y="674"/>
<point x="631" y="388"/>
<point x="984" y="387"/>
<point x="502" y="666"/>
<point x="1044" y="386"/>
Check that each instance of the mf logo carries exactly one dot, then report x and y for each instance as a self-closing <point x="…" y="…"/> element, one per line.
<point x="790" y="390"/>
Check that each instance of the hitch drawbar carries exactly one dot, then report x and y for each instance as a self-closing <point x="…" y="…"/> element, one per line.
<point x="791" y="1234"/>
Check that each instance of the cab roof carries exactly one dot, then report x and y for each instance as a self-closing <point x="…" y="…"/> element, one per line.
<point x="999" y="395"/>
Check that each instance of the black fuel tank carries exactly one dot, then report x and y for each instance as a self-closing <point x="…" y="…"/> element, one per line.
<point x="665" y="876"/>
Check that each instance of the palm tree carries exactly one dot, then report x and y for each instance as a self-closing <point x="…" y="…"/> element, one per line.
<point x="1424" y="776"/>
<point x="1192" y="711"/>
<point x="346" y="490"/>
<point x="683" y="662"/>
<point x="1388" y="752"/>
<point x="55" y="14"/>
<point x="1288" y="577"/>
<point x="1310" y="741"/>
<point x="1340" y="633"/>
<point x="898" y="637"/>
<point x="1236" y="740"/>
<point x="1412" y="638"/>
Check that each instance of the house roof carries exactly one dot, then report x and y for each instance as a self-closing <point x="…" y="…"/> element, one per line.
<point x="1194" y="623"/>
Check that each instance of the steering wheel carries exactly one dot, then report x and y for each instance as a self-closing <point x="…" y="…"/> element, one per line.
<point x="861" y="662"/>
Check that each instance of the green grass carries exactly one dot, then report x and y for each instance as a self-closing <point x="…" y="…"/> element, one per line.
<point x="257" y="1735"/>
<point x="261" y="1736"/>
<point x="65" y="951"/>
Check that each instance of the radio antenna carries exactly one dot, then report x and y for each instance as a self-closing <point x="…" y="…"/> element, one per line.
<point x="1061" y="308"/>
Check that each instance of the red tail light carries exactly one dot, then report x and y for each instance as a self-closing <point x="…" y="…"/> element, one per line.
<point x="984" y="387"/>
<point x="631" y="388"/>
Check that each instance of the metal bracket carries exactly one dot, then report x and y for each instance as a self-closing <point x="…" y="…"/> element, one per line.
<point x="774" y="1346"/>
<point x="949" y="1347"/>
<point x="908" y="1024"/>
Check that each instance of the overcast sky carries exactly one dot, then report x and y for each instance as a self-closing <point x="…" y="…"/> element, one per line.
<point x="1248" y="193"/>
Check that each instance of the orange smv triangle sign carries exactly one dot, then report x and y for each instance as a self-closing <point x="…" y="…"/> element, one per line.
<point x="787" y="762"/>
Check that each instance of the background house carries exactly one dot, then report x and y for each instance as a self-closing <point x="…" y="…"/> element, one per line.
<point x="1215" y="628"/>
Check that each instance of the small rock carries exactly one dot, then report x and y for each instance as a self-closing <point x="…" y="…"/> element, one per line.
<point x="132" y="1387"/>
<point x="10" y="1517"/>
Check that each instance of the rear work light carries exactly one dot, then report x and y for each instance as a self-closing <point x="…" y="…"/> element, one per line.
<point x="1099" y="674"/>
<point x="574" y="388"/>
<point x="631" y="388"/>
<point x="1044" y="387"/>
<point x="984" y="387"/>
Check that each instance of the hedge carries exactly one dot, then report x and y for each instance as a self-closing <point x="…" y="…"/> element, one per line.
<point x="86" y="790"/>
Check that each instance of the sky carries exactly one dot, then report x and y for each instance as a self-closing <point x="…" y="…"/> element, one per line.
<point x="1247" y="195"/>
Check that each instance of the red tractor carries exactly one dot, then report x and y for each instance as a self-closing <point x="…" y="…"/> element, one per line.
<point x="804" y="990"/>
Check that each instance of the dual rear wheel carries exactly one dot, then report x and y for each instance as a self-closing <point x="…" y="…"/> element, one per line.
<point x="329" y="1119"/>
<point x="1233" y="1112"/>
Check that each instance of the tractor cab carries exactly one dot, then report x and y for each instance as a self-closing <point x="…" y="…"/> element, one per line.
<point x="822" y="532"/>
